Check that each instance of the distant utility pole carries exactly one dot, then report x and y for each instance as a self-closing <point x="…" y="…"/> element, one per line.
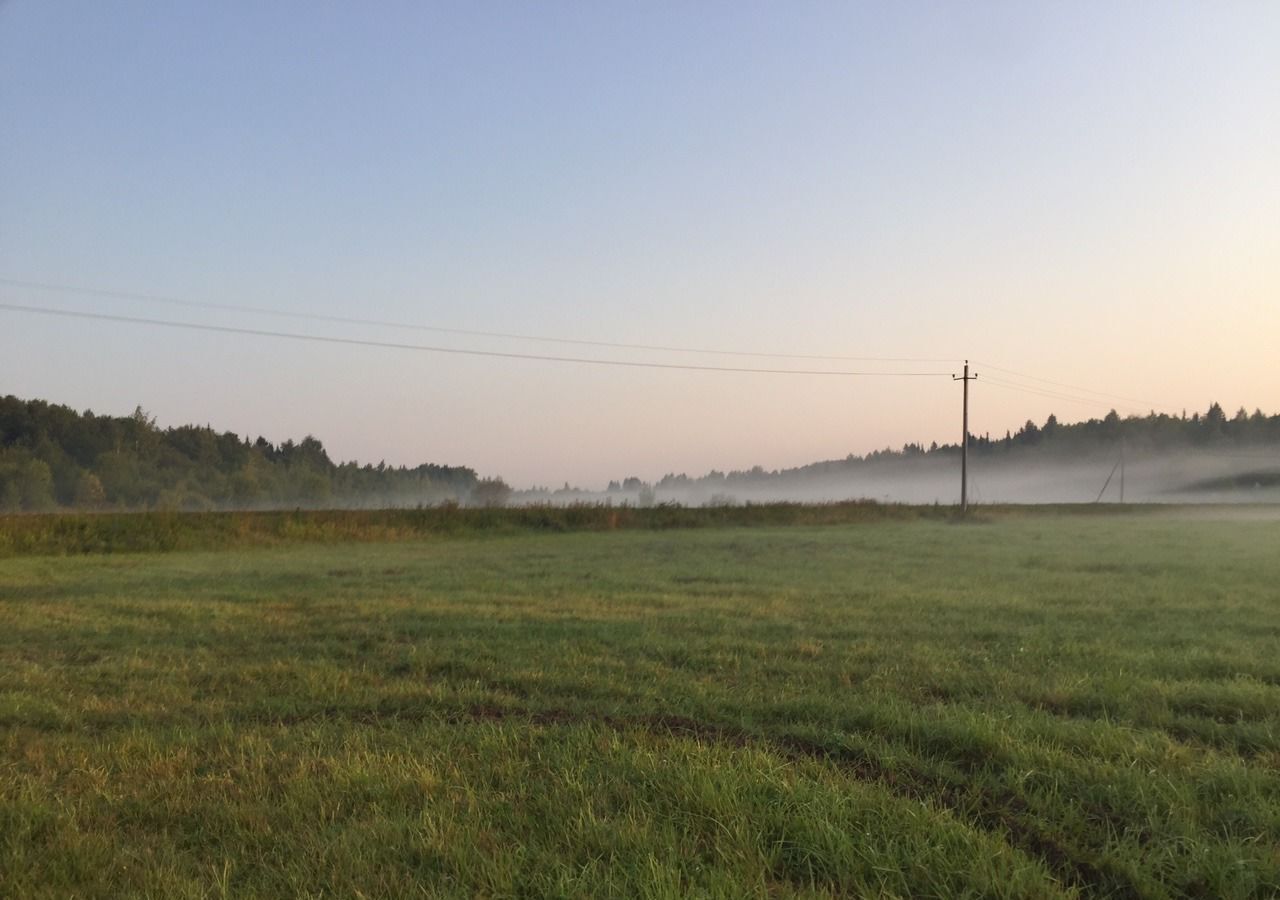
<point x="1106" y="484"/>
<point x="964" y="440"/>
<point x="1122" y="470"/>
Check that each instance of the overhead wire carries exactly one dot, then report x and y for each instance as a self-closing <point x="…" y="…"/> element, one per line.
<point x="1035" y="389"/>
<point x="1071" y="387"/>
<point x="361" y="342"/>
<point x="502" y="335"/>
<point x="1054" y="395"/>
<point x="1086" y="401"/>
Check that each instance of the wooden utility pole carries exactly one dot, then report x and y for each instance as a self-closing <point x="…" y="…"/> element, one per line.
<point x="964" y="440"/>
<point x="1122" y="470"/>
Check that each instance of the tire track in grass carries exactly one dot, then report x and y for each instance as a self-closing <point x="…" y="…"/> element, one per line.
<point x="1002" y="813"/>
<point x="1005" y="813"/>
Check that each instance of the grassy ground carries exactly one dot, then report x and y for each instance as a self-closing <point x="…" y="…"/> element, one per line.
<point x="1032" y="707"/>
<point x="61" y="534"/>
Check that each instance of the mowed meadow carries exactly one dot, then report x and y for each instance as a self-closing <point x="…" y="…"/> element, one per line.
<point x="1021" y="705"/>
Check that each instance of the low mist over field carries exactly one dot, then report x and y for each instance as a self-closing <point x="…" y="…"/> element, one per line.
<point x="1172" y="477"/>
<point x="739" y="450"/>
<point x="52" y="457"/>
<point x="1207" y="458"/>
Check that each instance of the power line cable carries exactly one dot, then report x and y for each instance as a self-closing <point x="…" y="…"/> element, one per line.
<point x="1091" y="401"/>
<point x="1071" y="387"/>
<point x="359" y="342"/>
<point x="380" y="323"/>
<point x="1054" y="395"/>
<point x="1044" y="392"/>
<point x="350" y="320"/>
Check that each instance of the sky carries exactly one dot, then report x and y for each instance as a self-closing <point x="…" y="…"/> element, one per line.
<point x="1086" y="194"/>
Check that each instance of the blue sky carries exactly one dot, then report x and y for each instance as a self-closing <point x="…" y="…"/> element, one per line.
<point x="1086" y="193"/>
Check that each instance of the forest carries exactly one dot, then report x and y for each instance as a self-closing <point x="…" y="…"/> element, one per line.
<point x="1052" y="443"/>
<point x="52" y="457"/>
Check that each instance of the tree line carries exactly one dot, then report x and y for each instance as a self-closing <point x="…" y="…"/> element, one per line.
<point x="1154" y="433"/>
<point x="52" y="457"/>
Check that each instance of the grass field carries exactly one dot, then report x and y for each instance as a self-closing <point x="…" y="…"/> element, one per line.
<point x="1037" y="706"/>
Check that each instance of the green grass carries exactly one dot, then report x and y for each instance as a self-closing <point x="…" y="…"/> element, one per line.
<point x="1038" y="706"/>
<point x="116" y="532"/>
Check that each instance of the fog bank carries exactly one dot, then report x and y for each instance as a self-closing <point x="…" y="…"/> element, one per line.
<point x="1180" y="477"/>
